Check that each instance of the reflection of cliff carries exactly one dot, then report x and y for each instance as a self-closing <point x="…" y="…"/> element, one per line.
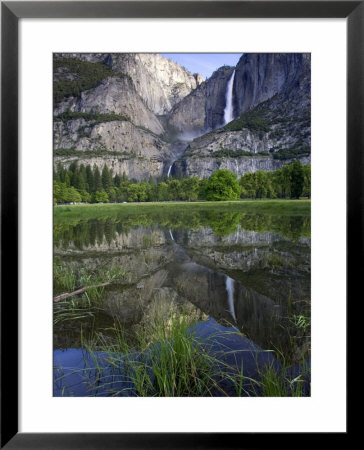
<point x="128" y="304"/>
<point x="256" y="315"/>
<point x="208" y="291"/>
<point x="205" y="237"/>
<point x="247" y="279"/>
<point x="101" y="237"/>
<point x="265" y="262"/>
<point x="204" y="288"/>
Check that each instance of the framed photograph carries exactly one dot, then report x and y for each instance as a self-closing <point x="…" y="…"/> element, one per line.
<point x="156" y="184"/>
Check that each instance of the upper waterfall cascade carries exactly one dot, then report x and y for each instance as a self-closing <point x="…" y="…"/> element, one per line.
<point x="228" y="111"/>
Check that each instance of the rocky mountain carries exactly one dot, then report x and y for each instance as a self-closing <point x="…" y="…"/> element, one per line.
<point x="203" y="108"/>
<point x="260" y="76"/>
<point x="160" y="82"/>
<point x="145" y="115"/>
<point x="271" y="103"/>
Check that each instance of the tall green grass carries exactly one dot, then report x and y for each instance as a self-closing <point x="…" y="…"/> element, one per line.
<point x="68" y="278"/>
<point x="169" y="361"/>
<point x="166" y="360"/>
<point x="281" y="384"/>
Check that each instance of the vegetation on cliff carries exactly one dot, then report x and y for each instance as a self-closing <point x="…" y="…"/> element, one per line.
<point x="75" y="75"/>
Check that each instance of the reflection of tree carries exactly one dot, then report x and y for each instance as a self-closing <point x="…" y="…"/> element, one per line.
<point x="100" y="231"/>
<point x="109" y="230"/>
<point x="258" y="222"/>
<point x="80" y="235"/>
<point x="84" y="233"/>
<point x="223" y="224"/>
<point x="93" y="232"/>
<point x="292" y="227"/>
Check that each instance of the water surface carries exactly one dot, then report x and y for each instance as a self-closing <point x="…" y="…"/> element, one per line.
<point x="250" y="273"/>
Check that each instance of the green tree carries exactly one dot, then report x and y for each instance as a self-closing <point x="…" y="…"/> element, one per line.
<point x="297" y="179"/>
<point x="101" y="196"/>
<point x="86" y="196"/>
<point x="162" y="192"/>
<point x="62" y="196"/>
<point x="248" y="186"/>
<point x="202" y="188"/>
<point x="138" y="192"/>
<point x="121" y="195"/>
<point x="56" y="192"/>
<point x="67" y="180"/>
<point x="73" y="167"/>
<point x="73" y="196"/>
<point x="264" y="188"/>
<point x="223" y="185"/>
<point x="190" y="188"/>
<point x="117" y="180"/>
<point x="106" y="178"/>
<point x="112" y="194"/>
<point x="97" y="186"/>
<point x="174" y="189"/>
<point x="89" y="178"/>
<point x="282" y="182"/>
<point x="307" y="181"/>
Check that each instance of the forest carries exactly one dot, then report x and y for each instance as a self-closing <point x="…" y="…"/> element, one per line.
<point x="86" y="184"/>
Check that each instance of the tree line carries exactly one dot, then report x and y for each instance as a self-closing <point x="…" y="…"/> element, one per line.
<point x="80" y="183"/>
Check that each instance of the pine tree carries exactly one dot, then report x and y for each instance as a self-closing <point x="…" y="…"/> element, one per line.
<point x="89" y="178"/>
<point x="106" y="178"/>
<point x="97" y="185"/>
<point x="117" y="180"/>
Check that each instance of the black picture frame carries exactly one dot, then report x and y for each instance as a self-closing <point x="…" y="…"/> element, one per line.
<point x="11" y="12"/>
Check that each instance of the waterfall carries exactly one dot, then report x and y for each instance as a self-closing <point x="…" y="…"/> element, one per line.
<point x="229" y="283"/>
<point x="228" y="111"/>
<point x="169" y="170"/>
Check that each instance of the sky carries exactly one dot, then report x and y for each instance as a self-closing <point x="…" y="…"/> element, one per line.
<point x="204" y="63"/>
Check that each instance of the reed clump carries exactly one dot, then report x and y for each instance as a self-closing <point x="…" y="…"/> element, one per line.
<point x="169" y="360"/>
<point x="68" y="278"/>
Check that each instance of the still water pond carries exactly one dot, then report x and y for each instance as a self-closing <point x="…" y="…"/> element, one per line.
<point x="245" y="276"/>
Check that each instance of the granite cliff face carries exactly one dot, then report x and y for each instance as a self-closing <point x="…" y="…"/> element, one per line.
<point x="115" y="122"/>
<point x="141" y="113"/>
<point x="272" y="125"/>
<point x="203" y="108"/>
<point x="260" y="76"/>
<point x="160" y="82"/>
<point x="113" y="96"/>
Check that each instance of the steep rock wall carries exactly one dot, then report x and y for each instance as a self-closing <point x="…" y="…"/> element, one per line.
<point x="203" y="108"/>
<point x="160" y="82"/>
<point x="259" y="76"/>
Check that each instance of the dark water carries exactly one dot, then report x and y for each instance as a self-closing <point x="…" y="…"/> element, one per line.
<point x="249" y="273"/>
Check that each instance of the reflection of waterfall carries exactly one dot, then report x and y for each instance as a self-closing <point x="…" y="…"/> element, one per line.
<point x="169" y="170"/>
<point x="170" y="233"/>
<point x="228" y="111"/>
<point x="229" y="283"/>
